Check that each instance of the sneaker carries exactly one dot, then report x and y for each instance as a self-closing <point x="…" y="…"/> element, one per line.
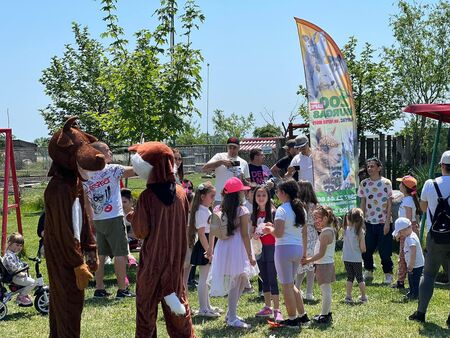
<point x="323" y="319"/>
<point x="363" y="299"/>
<point x="388" y="278"/>
<point x="24" y="301"/>
<point x="348" y="300"/>
<point x="108" y="261"/>
<point x="398" y="285"/>
<point x="409" y="297"/>
<point x="239" y="324"/>
<point x="216" y="309"/>
<point x="124" y="294"/>
<point x="418" y="316"/>
<point x="277" y="316"/>
<point x="310" y="297"/>
<point x="303" y="319"/>
<point x="368" y="275"/>
<point x="101" y="293"/>
<point x="291" y="323"/>
<point x="226" y="318"/>
<point x="265" y="312"/>
<point x="208" y="313"/>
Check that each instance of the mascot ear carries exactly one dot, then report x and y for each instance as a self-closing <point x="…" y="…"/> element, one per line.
<point x="64" y="140"/>
<point x="70" y="123"/>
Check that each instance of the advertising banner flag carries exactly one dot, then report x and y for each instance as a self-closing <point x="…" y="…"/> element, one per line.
<point x="332" y="118"/>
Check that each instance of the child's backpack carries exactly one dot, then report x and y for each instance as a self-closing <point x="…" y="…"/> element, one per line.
<point x="440" y="221"/>
<point x="218" y="226"/>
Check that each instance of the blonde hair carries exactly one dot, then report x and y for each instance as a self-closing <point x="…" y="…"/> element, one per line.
<point x="355" y="218"/>
<point x="15" y="237"/>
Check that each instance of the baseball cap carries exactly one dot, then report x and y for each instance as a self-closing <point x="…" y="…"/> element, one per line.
<point x="400" y="224"/>
<point x="301" y="141"/>
<point x="408" y="181"/>
<point x="289" y="144"/>
<point x="234" y="184"/>
<point x="234" y="141"/>
<point x="445" y="159"/>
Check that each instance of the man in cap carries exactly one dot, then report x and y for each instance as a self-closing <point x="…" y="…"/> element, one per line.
<point x="436" y="254"/>
<point x="302" y="162"/>
<point x="281" y="167"/>
<point x="227" y="165"/>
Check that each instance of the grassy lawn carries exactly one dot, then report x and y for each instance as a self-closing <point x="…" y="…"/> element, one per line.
<point x="385" y="315"/>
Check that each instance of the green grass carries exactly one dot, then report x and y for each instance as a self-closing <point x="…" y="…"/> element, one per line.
<point x="383" y="316"/>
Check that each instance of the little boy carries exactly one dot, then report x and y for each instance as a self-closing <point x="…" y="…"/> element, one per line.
<point x="413" y="255"/>
<point x="12" y="264"/>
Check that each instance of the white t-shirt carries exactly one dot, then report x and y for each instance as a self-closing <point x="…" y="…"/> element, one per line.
<point x="223" y="173"/>
<point x="103" y="191"/>
<point x="292" y="234"/>
<point x="306" y="167"/>
<point x="429" y="194"/>
<point x="201" y="218"/>
<point x="413" y="240"/>
<point x="407" y="201"/>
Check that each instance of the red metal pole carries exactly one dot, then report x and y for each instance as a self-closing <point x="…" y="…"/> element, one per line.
<point x="6" y="187"/>
<point x="15" y="188"/>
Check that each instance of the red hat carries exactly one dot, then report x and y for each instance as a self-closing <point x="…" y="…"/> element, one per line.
<point x="234" y="184"/>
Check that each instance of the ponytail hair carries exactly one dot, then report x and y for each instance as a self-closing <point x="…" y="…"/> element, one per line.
<point x="229" y="206"/>
<point x="202" y="190"/>
<point x="355" y="217"/>
<point x="413" y="194"/>
<point x="290" y="188"/>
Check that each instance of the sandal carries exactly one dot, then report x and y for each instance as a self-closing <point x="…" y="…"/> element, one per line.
<point x="239" y="324"/>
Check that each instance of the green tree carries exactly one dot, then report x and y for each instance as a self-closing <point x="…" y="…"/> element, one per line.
<point x="376" y="97"/>
<point x="146" y="92"/>
<point x="42" y="142"/>
<point x="233" y="125"/>
<point x="269" y="130"/>
<point x="420" y="58"/>
<point x="191" y="134"/>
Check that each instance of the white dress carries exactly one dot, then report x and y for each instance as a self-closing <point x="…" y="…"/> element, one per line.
<point x="229" y="262"/>
<point x="311" y="240"/>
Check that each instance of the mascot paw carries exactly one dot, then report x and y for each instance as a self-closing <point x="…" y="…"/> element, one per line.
<point x="82" y="275"/>
<point x="175" y="305"/>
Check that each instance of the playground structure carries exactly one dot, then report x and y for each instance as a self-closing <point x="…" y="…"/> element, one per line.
<point x="10" y="173"/>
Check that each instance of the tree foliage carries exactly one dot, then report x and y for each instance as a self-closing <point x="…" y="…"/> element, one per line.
<point x="269" y="130"/>
<point x="192" y="134"/>
<point x="231" y="126"/>
<point x="122" y="95"/>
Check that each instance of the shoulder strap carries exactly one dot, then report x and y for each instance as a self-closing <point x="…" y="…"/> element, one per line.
<point x="438" y="191"/>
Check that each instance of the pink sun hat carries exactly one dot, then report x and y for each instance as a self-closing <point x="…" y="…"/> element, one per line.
<point x="234" y="184"/>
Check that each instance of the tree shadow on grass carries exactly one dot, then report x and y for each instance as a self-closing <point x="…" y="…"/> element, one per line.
<point x="433" y="330"/>
<point x="18" y="316"/>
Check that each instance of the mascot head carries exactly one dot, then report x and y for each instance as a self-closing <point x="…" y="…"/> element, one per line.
<point x="154" y="163"/>
<point x="70" y="150"/>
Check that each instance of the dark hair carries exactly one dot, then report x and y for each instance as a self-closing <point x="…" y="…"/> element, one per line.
<point x="290" y="187"/>
<point x="254" y="152"/>
<point x="180" y="170"/>
<point x="125" y="192"/>
<point x="202" y="190"/>
<point x="446" y="166"/>
<point x="376" y="160"/>
<point x="229" y="206"/>
<point x="268" y="206"/>
<point x="413" y="194"/>
<point x="306" y="193"/>
<point x="325" y="211"/>
<point x="15" y="237"/>
<point x="355" y="217"/>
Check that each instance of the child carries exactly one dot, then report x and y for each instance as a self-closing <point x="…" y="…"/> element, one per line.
<point x="12" y="264"/>
<point x="233" y="262"/>
<point x="413" y="255"/>
<point x="409" y="208"/>
<point x="289" y="217"/>
<point x="309" y="236"/>
<point x="263" y="215"/>
<point x="133" y="242"/>
<point x="354" y="246"/>
<point x="325" y="222"/>
<point x="198" y="223"/>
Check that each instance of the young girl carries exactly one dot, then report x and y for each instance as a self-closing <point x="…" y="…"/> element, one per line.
<point x="262" y="216"/>
<point x="233" y="262"/>
<point x="354" y="246"/>
<point x="309" y="236"/>
<point x="198" y="224"/>
<point x="325" y="222"/>
<point x="12" y="264"/>
<point x="410" y="209"/>
<point x="289" y="249"/>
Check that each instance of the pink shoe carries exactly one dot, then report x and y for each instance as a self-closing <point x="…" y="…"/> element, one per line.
<point x="277" y="316"/>
<point x="24" y="300"/>
<point x="265" y="312"/>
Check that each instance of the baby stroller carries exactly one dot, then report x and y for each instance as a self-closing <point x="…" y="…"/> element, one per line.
<point x="41" y="293"/>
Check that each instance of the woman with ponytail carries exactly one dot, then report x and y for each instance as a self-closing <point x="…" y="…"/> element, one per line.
<point x="289" y="218"/>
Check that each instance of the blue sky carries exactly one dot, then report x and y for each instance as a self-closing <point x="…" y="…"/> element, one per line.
<point x="251" y="45"/>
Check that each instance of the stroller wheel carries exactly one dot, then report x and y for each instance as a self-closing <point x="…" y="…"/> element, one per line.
<point x="3" y="310"/>
<point x="41" y="302"/>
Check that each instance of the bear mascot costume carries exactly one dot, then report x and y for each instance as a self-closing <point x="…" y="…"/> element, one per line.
<point x="68" y="236"/>
<point x="160" y="218"/>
